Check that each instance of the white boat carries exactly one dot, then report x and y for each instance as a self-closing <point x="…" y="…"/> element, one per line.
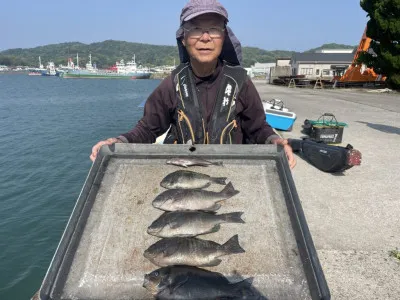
<point x="51" y="70"/>
<point x="4" y="68"/>
<point x="37" y="71"/>
<point x="130" y="70"/>
<point x="69" y="67"/>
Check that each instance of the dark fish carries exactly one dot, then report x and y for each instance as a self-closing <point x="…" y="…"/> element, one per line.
<point x="190" y="251"/>
<point x="184" y="179"/>
<point x="190" y="223"/>
<point x="192" y="199"/>
<point x="191" y="161"/>
<point x="186" y="283"/>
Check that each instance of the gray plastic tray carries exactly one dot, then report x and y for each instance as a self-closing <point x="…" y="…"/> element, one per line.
<point x="100" y="255"/>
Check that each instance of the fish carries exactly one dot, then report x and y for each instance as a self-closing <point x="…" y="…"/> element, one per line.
<point x="187" y="283"/>
<point x="190" y="251"/>
<point x="184" y="179"/>
<point x="192" y="161"/>
<point x="190" y="223"/>
<point x="193" y="199"/>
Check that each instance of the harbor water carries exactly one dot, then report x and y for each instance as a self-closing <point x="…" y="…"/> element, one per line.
<point x="48" y="126"/>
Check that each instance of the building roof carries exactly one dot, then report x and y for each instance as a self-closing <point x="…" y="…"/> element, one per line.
<point x="311" y="57"/>
<point x="263" y="65"/>
<point x="334" y="51"/>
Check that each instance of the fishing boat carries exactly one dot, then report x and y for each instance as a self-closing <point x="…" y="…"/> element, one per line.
<point x="130" y="70"/>
<point x="51" y="70"/>
<point x="4" y="68"/>
<point x="37" y="71"/>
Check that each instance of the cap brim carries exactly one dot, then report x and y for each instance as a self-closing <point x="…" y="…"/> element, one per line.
<point x="193" y="15"/>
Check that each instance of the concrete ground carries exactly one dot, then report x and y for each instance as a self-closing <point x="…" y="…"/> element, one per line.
<point x="354" y="219"/>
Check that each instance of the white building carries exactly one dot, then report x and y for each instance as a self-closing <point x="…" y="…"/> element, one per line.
<point x="260" y="69"/>
<point x="320" y="65"/>
<point x="283" y="61"/>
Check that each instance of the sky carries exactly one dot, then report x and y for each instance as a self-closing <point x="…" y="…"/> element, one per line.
<point x="295" y="25"/>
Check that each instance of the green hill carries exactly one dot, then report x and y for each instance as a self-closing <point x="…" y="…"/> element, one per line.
<point x="106" y="53"/>
<point x="332" y="46"/>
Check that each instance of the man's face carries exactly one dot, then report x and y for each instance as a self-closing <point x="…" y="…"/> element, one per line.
<point x="204" y="37"/>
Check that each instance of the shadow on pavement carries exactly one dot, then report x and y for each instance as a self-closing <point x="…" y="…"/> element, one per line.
<point x="381" y="127"/>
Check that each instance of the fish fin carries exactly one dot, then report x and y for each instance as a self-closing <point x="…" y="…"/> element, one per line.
<point x="213" y="263"/>
<point x="217" y="163"/>
<point x="232" y="245"/>
<point x="234" y="217"/>
<point x="169" y="251"/>
<point x="215" y="207"/>
<point x="173" y="224"/>
<point x="229" y="191"/>
<point x="244" y="288"/>
<point x="219" y="180"/>
<point x="178" y="282"/>
<point x="184" y="165"/>
<point x="215" y="228"/>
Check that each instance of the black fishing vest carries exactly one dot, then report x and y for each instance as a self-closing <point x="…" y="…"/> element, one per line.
<point x="189" y="123"/>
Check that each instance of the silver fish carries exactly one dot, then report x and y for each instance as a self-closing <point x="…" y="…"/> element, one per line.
<point x="190" y="223"/>
<point x="186" y="283"/>
<point x="181" y="199"/>
<point x="192" y="161"/>
<point x="191" y="251"/>
<point x="184" y="179"/>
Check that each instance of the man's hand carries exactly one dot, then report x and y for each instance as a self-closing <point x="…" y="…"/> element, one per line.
<point x="288" y="150"/>
<point x="97" y="147"/>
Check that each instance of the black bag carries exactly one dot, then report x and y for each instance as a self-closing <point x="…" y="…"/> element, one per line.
<point x="326" y="129"/>
<point x="325" y="157"/>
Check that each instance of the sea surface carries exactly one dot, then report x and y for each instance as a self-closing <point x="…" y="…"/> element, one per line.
<point x="48" y="126"/>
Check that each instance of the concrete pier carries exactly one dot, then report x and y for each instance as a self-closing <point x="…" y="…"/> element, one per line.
<point x="354" y="218"/>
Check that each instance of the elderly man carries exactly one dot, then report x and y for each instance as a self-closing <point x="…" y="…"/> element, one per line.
<point x="208" y="99"/>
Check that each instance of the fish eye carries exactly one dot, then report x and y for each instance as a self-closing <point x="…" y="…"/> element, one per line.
<point x="156" y="274"/>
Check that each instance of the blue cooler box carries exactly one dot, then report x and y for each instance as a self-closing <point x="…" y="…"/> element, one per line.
<point x="278" y="119"/>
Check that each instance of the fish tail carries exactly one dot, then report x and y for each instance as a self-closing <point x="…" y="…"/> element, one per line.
<point x="235" y="217"/>
<point x="229" y="191"/>
<point x="243" y="288"/>
<point x="219" y="180"/>
<point x="232" y="245"/>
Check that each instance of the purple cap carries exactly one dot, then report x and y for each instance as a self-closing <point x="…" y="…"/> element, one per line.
<point x="196" y="8"/>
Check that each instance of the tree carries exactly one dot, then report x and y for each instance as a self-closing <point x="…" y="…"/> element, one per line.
<point x="383" y="28"/>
